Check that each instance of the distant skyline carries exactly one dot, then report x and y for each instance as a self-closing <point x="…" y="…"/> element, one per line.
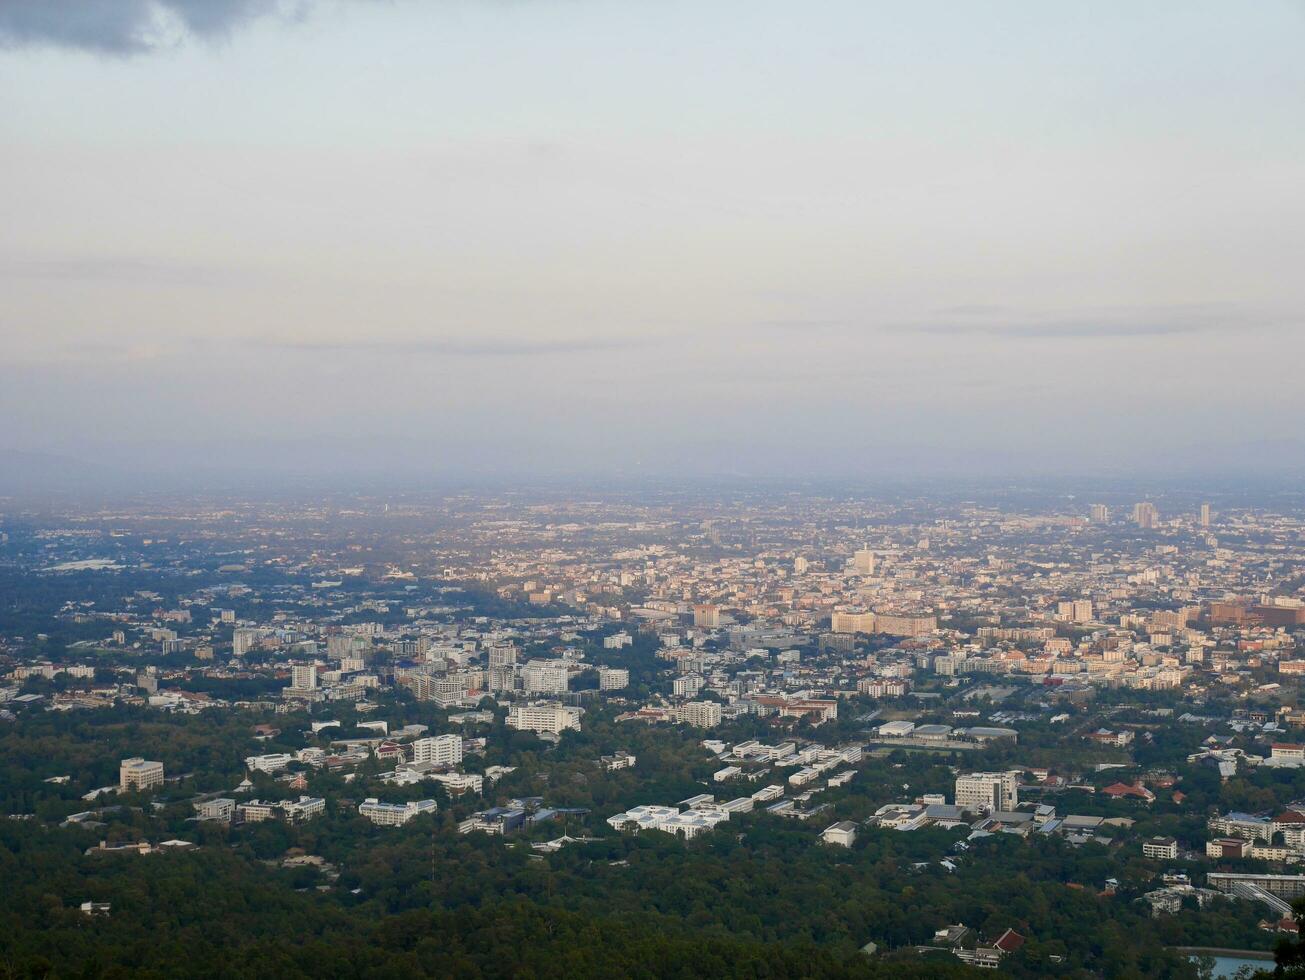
<point x="599" y="238"/>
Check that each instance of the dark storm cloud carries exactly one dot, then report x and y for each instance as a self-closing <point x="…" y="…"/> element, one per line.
<point x="124" y="27"/>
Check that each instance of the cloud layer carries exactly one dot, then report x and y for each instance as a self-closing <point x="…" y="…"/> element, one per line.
<point x="124" y="27"/>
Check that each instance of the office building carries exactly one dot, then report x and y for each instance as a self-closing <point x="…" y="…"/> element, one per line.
<point x="988" y="791"/>
<point x="544" y="717"/>
<point x="440" y="750"/>
<point x="394" y="814"/>
<point x="137" y="775"/>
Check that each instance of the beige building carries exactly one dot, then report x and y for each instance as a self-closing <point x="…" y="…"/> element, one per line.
<point x="137" y="775"/>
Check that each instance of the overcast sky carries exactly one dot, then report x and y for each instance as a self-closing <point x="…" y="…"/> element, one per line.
<point x="588" y="237"/>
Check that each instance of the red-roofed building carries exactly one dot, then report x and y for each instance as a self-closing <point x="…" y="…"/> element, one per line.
<point x="1135" y="791"/>
<point x="1009" y="941"/>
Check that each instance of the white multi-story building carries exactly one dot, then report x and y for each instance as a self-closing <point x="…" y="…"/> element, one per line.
<point x="441" y="750"/>
<point x="273" y="762"/>
<point x="1161" y="848"/>
<point x="703" y="714"/>
<point x="137" y="775"/>
<point x="545" y="677"/>
<point x="613" y="678"/>
<point x="842" y="833"/>
<point x="303" y="677"/>
<point x="669" y="819"/>
<point x="291" y="811"/>
<point x="504" y="655"/>
<point x="544" y="717"/>
<point x="988" y="791"/>
<point x="242" y="641"/>
<point x="687" y="686"/>
<point x="394" y="814"/>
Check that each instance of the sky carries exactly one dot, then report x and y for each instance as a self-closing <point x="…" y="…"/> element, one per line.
<point x="676" y="238"/>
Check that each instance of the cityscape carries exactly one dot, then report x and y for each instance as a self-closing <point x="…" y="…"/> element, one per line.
<point x="652" y="490"/>
<point x="374" y="705"/>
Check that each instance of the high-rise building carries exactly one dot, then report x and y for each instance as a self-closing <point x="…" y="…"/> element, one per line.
<point x="706" y="616"/>
<point x="863" y="561"/>
<point x="1100" y="513"/>
<point x="703" y="714"/>
<point x="502" y="655"/>
<point x="441" y="750"/>
<point x="1145" y="514"/>
<point x="545" y="677"/>
<point x="800" y="565"/>
<point x="613" y="678"/>
<point x="137" y="774"/>
<point x="1075" y="611"/>
<point x="988" y="791"/>
<point x="303" y="677"/>
<point x="1205" y="515"/>
<point x="242" y="641"/>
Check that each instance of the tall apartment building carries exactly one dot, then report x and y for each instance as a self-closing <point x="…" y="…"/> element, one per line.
<point x="502" y="677"/>
<point x="988" y="791"/>
<point x="706" y="616"/>
<point x="1145" y="514"/>
<point x="545" y="677"/>
<point x="1205" y="515"/>
<point x="863" y="561"/>
<point x="1100" y="513"/>
<point x="1075" y="611"/>
<point x="440" y="750"/>
<point x="544" y="717"/>
<point x="137" y="775"/>
<point x="613" y="678"/>
<point x="242" y="641"/>
<point x="703" y="714"/>
<point x="687" y="686"/>
<point x="303" y="677"/>
<point x="502" y="655"/>
<point x="852" y="622"/>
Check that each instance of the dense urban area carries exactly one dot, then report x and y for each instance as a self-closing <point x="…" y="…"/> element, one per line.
<point x="683" y="734"/>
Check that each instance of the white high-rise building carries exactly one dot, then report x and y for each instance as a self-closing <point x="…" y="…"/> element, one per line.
<point x="613" y="678"/>
<point x="988" y="791"/>
<point x="503" y="655"/>
<point x="703" y="714"/>
<point x="863" y="561"/>
<point x="242" y="641"/>
<point x="303" y="677"/>
<point x="137" y="774"/>
<point x="545" y="677"/>
<point x="441" y="750"/>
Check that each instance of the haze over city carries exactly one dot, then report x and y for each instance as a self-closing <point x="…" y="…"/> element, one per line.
<point x="583" y="239"/>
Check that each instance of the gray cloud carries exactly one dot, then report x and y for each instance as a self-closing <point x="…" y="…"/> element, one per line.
<point x="454" y="347"/>
<point x="126" y="27"/>
<point x="1104" y="322"/>
<point x="1061" y="329"/>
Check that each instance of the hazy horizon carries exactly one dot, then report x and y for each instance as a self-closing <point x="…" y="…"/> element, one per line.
<point x="582" y="240"/>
